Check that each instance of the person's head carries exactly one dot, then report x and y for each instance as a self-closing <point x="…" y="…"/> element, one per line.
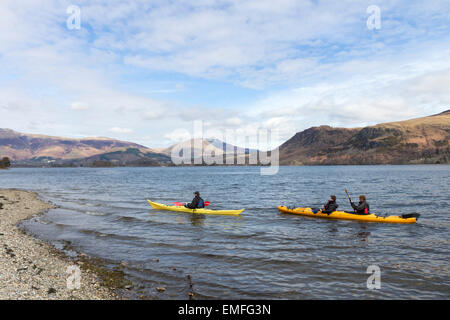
<point x="197" y="194"/>
<point x="362" y="198"/>
<point x="333" y="197"/>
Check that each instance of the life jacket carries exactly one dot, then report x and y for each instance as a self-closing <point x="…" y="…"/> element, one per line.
<point x="327" y="206"/>
<point x="365" y="210"/>
<point x="201" y="203"/>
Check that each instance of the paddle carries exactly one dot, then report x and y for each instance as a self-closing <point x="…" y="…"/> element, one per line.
<point x="182" y="204"/>
<point x="349" y="199"/>
<point x="346" y="191"/>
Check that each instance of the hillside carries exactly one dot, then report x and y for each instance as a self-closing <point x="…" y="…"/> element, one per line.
<point x="209" y="148"/>
<point x="129" y="157"/>
<point x="33" y="149"/>
<point x="421" y="140"/>
<point x="212" y="145"/>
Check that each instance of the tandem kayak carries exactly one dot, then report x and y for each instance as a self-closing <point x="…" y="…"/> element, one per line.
<point x="160" y="206"/>
<point x="406" y="218"/>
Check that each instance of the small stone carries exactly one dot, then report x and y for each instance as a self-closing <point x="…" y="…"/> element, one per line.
<point x="161" y="289"/>
<point x="51" y="290"/>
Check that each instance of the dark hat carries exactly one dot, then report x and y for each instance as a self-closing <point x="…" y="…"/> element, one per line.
<point x="197" y="193"/>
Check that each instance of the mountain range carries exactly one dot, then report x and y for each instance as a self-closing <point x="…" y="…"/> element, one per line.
<point x="37" y="150"/>
<point x="416" y="141"/>
<point x="421" y="140"/>
<point x="41" y="150"/>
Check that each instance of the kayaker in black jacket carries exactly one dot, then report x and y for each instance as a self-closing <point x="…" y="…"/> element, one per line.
<point x="362" y="207"/>
<point x="331" y="205"/>
<point x="197" y="202"/>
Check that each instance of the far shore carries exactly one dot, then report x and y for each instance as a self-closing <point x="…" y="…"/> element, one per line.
<point x="226" y="166"/>
<point x="33" y="269"/>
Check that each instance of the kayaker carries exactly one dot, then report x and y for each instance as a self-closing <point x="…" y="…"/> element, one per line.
<point x="331" y="205"/>
<point x="197" y="202"/>
<point x="362" y="207"/>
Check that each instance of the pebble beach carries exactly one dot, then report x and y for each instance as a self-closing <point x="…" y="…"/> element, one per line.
<point x="33" y="269"/>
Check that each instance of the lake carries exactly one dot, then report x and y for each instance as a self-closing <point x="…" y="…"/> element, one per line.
<point x="263" y="254"/>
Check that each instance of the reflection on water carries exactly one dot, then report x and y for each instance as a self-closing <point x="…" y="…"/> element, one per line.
<point x="263" y="254"/>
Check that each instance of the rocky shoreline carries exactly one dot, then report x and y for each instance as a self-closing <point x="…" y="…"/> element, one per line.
<point x="33" y="269"/>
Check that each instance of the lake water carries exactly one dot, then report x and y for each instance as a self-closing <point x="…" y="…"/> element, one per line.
<point x="263" y="254"/>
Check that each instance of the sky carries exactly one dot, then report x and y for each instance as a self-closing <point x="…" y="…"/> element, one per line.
<point x="144" y="71"/>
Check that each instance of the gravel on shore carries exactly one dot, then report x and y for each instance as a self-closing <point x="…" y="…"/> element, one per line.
<point x="33" y="269"/>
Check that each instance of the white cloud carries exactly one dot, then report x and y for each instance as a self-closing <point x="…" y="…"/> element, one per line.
<point x="235" y="121"/>
<point x="178" y="135"/>
<point x="120" y="130"/>
<point x="79" y="106"/>
<point x="393" y="92"/>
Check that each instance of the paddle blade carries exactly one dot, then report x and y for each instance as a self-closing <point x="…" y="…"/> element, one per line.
<point x="346" y="191"/>
<point x="411" y="215"/>
<point x="207" y="203"/>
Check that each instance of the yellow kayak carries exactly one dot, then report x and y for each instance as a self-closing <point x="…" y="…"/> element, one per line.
<point x="160" y="206"/>
<point x="406" y="218"/>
